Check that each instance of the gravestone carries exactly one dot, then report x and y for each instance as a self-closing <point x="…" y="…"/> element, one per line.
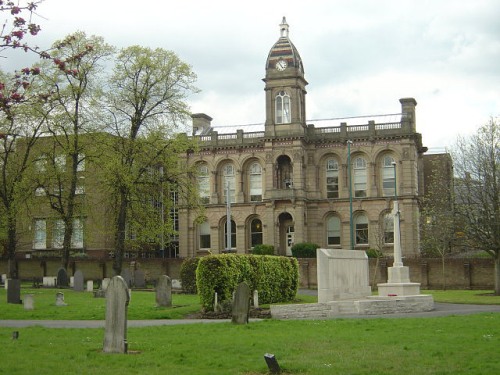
<point x="62" y="278"/>
<point x="164" y="291"/>
<point x="14" y="291"/>
<point x="139" y="279"/>
<point x="29" y="302"/>
<point x="60" y="299"/>
<point x="115" y="331"/>
<point x="78" y="281"/>
<point x="90" y="285"/>
<point x="241" y="304"/>
<point x="105" y="283"/>
<point x="256" y="299"/>
<point x="49" y="281"/>
<point x="127" y="277"/>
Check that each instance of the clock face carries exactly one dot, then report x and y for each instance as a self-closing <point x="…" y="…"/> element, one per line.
<point x="281" y="65"/>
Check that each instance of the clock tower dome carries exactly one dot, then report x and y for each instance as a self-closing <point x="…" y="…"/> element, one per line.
<point x="285" y="88"/>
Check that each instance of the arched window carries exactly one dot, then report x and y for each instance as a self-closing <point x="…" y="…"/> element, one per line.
<point x="359" y="167"/>
<point x="361" y="227"/>
<point x="204" y="232"/>
<point x="204" y="183"/>
<point x="255" y="232"/>
<point x="332" y="178"/>
<point x="233" y="235"/>
<point x="228" y="179"/>
<point x="387" y="172"/>
<point x="333" y="231"/>
<point x="255" y="182"/>
<point x="283" y="108"/>
<point x="388" y="228"/>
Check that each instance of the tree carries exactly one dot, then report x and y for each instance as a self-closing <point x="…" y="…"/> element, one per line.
<point x="438" y="224"/>
<point x="146" y="102"/>
<point x="477" y="167"/>
<point x="75" y="83"/>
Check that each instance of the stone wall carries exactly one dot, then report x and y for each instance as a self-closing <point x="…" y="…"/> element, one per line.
<point x="473" y="273"/>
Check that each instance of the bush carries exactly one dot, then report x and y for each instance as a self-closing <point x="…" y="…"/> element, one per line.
<point x="263" y="250"/>
<point x="188" y="275"/>
<point x="374" y="253"/>
<point x="304" y="250"/>
<point x="276" y="278"/>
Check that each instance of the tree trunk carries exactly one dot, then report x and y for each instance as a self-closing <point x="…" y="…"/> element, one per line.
<point x="497" y="274"/>
<point x="120" y="234"/>
<point x="11" y="247"/>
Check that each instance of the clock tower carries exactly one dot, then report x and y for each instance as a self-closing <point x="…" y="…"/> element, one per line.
<point x="285" y="88"/>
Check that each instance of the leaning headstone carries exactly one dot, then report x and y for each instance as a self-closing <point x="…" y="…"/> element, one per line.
<point x="78" y="281"/>
<point x="90" y="285"/>
<point x="139" y="279"/>
<point x="62" y="278"/>
<point x="127" y="277"/>
<point x="241" y="304"/>
<point x="14" y="291"/>
<point x="115" y="331"/>
<point x="164" y="291"/>
<point x="29" y="302"/>
<point x="60" y="299"/>
<point x="105" y="283"/>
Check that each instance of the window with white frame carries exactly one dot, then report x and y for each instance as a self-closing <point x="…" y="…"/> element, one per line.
<point x="388" y="180"/>
<point x="361" y="227"/>
<point x="41" y="164"/>
<point x="333" y="231"/>
<point x="283" y="109"/>
<point x="77" y="237"/>
<point x="57" y="234"/>
<point x="228" y="178"/>
<point x="255" y="232"/>
<point x="360" y="177"/>
<point x="233" y="234"/>
<point x="388" y="228"/>
<point x="204" y="231"/>
<point x="332" y="178"/>
<point x="204" y="183"/>
<point x="81" y="163"/>
<point x="40" y="235"/>
<point x="60" y="163"/>
<point x="255" y="182"/>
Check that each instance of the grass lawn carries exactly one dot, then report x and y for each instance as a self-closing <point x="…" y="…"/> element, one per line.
<point x="444" y="345"/>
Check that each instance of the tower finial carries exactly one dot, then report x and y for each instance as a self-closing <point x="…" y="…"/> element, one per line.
<point x="284" y="28"/>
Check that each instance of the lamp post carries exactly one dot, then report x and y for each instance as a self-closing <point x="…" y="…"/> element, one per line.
<point x="351" y="229"/>
<point x="398" y="262"/>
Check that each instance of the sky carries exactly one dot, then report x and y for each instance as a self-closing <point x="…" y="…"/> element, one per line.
<point x="360" y="56"/>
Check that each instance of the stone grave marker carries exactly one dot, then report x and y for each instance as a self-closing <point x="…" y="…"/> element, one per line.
<point x="60" y="299"/>
<point x="14" y="291"/>
<point x="241" y="304"/>
<point x="78" y="281"/>
<point x="256" y="299"/>
<point x="127" y="277"/>
<point x="105" y="283"/>
<point x="164" y="291"/>
<point x="115" y="330"/>
<point x="29" y="302"/>
<point x="49" y="281"/>
<point x="90" y="285"/>
<point x="139" y="279"/>
<point x="62" y="278"/>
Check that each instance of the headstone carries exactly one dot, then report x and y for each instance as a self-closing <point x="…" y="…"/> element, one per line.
<point x="78" y="283"/>
<point x="241" y="304"/>
<point x="164" y="291"/>
<point x="105" y="283"/>
<point x="62" y="278"/>
<point x="49" y="281"/>
<point x="90" y="285"/>
<point x="139" y="279"/>
<point x="29" y="302"/>
<point x="6" y="285"/>
<point x="176" y="284"/>
<point x="115" y="331"/>
<point x="60" y="299"/>
<point x="72" y="281"/>
<point x="4" y="277"/>
<point x="14" y="291"/>
<point x="272" y="363"/>
<point x="127" y="277"/>
<point x="256" y="299"/>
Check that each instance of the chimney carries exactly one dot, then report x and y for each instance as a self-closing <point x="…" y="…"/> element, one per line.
<point x="408" y="110"/>
<point x="201" y="123"/>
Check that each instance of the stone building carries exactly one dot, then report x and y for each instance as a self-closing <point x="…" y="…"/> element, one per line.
<point x="331" y="182"/>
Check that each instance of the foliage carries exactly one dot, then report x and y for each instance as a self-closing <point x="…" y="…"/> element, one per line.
<point x="275" y="278"/>
<point x="188" y="275"/>
<point x="304" y="250"/>
<point x="263" y="250"/>
<point x="374" y="253"/>
<point x="477" y="187"/>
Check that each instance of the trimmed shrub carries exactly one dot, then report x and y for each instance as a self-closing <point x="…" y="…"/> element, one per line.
<point x="374" y="253"/>
<point x="188" y="275"/>
<point x="304" y="250"/>
<point x="276" y="278"/>
<point x="263" y="250"/>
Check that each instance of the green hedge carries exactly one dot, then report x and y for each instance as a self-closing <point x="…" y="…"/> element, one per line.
<point x="188" y="275"/>
<point x="263" y="250"/>
<point x="304" y="250"/>
<point x="275" y="278"/>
